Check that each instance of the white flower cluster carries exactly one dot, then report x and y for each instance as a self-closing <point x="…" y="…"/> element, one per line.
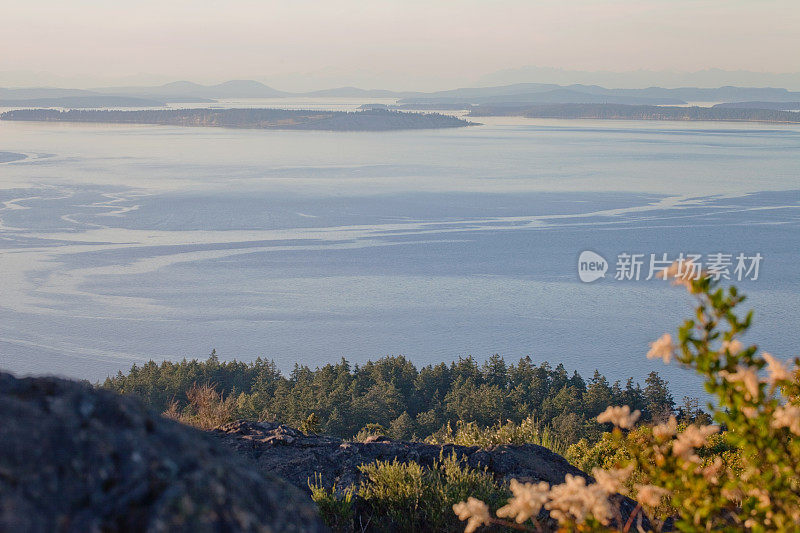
<point x="733" y="347"/>
<point x="663" y="348"/>
<point x="777" y="370"/>
<point x="613" y="480"/>
<point x="666" y="430"/>
<point x="684" y="443"/>
<point x="622" y="417"/>
<point x="692" y="437"/>
<point x="747" y="377"/>
<point x="650" y="495"/>
<point x="528" y="500"/>
<point x="573" y="501"/>
<point x="787" y="416"/>
<point x="475" y="512"/>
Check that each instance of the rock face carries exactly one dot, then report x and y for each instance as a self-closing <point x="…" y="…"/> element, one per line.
<point x="73" y="458"/>
<point x="294" y="456"/>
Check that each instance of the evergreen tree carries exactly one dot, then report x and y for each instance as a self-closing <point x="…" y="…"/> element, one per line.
<point x="598" y="395"/>
<point x="402" y="427"/>
<point x="659" y="401"/>
<point x="633" y="396"/>
<point x="495" y="371"/>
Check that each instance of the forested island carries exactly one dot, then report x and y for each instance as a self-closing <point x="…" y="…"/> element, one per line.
<point x="370" y="120"/>
<point x="638" y="112"/>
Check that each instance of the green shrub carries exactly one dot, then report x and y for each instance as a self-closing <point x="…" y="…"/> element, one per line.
<point x="528" y="431"/>
<point x="335" y="507"/>
<point x="396" y="496"/>
<point x="310" y="424"/>
<point x="370" y="430"/>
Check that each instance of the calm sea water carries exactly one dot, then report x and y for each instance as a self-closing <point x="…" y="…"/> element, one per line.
<point x="119" y="244"/>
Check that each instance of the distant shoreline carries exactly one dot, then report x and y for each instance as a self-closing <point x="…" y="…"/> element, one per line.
<point x="640" y="112"/>
<point x="278" y="119"/>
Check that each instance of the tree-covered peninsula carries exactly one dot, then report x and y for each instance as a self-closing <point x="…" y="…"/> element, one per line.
<point x="371" y="120"/>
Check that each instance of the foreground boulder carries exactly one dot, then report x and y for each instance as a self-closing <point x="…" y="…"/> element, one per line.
<point x="74" y="458"/>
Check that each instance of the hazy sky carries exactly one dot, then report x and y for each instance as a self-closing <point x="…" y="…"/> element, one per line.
<point x="406" y="44"/>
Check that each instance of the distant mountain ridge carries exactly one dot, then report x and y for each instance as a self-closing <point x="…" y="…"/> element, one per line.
<point x="42" y="92"/>
<point x="513" y="94"/>
<point x="542" y="94"/>
<point x="84" y="101"/>
<point x="588" y="94"/>
<point x="712" y="77"/>
<point x="228" y="89"/>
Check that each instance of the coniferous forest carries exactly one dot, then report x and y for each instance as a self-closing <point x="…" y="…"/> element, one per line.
<point x="341" y="399"/>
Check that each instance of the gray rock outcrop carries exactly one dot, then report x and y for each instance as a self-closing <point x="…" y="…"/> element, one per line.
<point x="296" y="457"/>
<point x="74" y="458"/>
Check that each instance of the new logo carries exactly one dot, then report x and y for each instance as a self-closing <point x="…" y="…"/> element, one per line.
<point x="591" y="266"/>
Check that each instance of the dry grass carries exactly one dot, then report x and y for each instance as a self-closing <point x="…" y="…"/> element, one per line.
<point x="206" y="408"/>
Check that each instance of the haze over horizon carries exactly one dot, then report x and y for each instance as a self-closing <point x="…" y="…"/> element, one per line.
<point x="402" y="45"/>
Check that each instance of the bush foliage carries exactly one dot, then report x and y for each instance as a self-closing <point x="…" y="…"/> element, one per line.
<point x="395" y="496"/>
<point x="528" y="431"/>
<point x="740" y="475"/>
